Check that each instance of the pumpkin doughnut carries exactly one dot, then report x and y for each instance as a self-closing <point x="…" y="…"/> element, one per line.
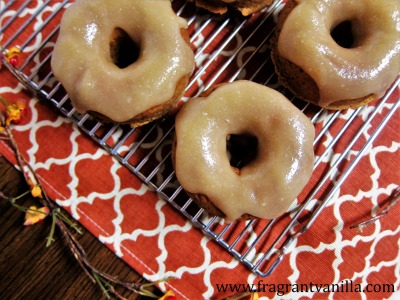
<point x="245" y="7"/>
<point x="281" y="165"/>
<point x="338" y="54"/>
<point x="158" y="58"/>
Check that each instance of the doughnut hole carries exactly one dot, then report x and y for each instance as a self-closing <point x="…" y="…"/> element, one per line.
<point x="344" y="34"/>
<point x="242" y="149"/>
<point x="124" y="50"/>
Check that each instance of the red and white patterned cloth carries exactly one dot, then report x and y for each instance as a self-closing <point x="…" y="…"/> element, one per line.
<point x="157" y="241"/>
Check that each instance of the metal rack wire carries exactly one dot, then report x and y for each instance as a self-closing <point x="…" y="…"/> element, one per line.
<point x="146" y="151"/>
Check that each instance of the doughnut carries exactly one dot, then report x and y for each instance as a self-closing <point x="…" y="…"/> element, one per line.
<point x="126" y="61"/>
<point x="248" y="115"/>
<point x="338" y="54"/>
<point x="245" y="7"/>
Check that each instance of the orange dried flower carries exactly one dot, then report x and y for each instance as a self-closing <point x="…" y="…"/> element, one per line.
<point x="11" y="55"/>
<point x="36" y="190"/>
<point x="254" y="296"/>
<point x="169" y="295"/>
<point x="14" y="111"/>
<point x="36" y="215"/>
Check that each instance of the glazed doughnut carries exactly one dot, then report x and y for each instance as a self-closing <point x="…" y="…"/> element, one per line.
<point x="334" y="72"/>
<point x="245" y="7"/>
<point x="268" y="183"/>
<point x="138" y="91"/>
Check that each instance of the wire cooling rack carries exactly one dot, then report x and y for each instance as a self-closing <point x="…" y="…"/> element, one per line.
<point x="226" y="48"/>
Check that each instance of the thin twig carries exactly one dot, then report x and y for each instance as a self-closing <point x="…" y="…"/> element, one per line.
<point x="383" y="211"/>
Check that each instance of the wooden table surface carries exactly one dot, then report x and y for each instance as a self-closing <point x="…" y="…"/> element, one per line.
<point x="30" y="270"/>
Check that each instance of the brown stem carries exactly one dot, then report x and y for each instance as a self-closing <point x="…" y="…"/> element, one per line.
<point x="383" y="211"/>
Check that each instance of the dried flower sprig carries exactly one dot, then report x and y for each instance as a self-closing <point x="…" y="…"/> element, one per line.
<point x="13" y="115"/>
<point x="14" y="112"/>
<point x="10" y="55"/>
<point x="33" y="214"/>
<point x="383" y="211"/>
